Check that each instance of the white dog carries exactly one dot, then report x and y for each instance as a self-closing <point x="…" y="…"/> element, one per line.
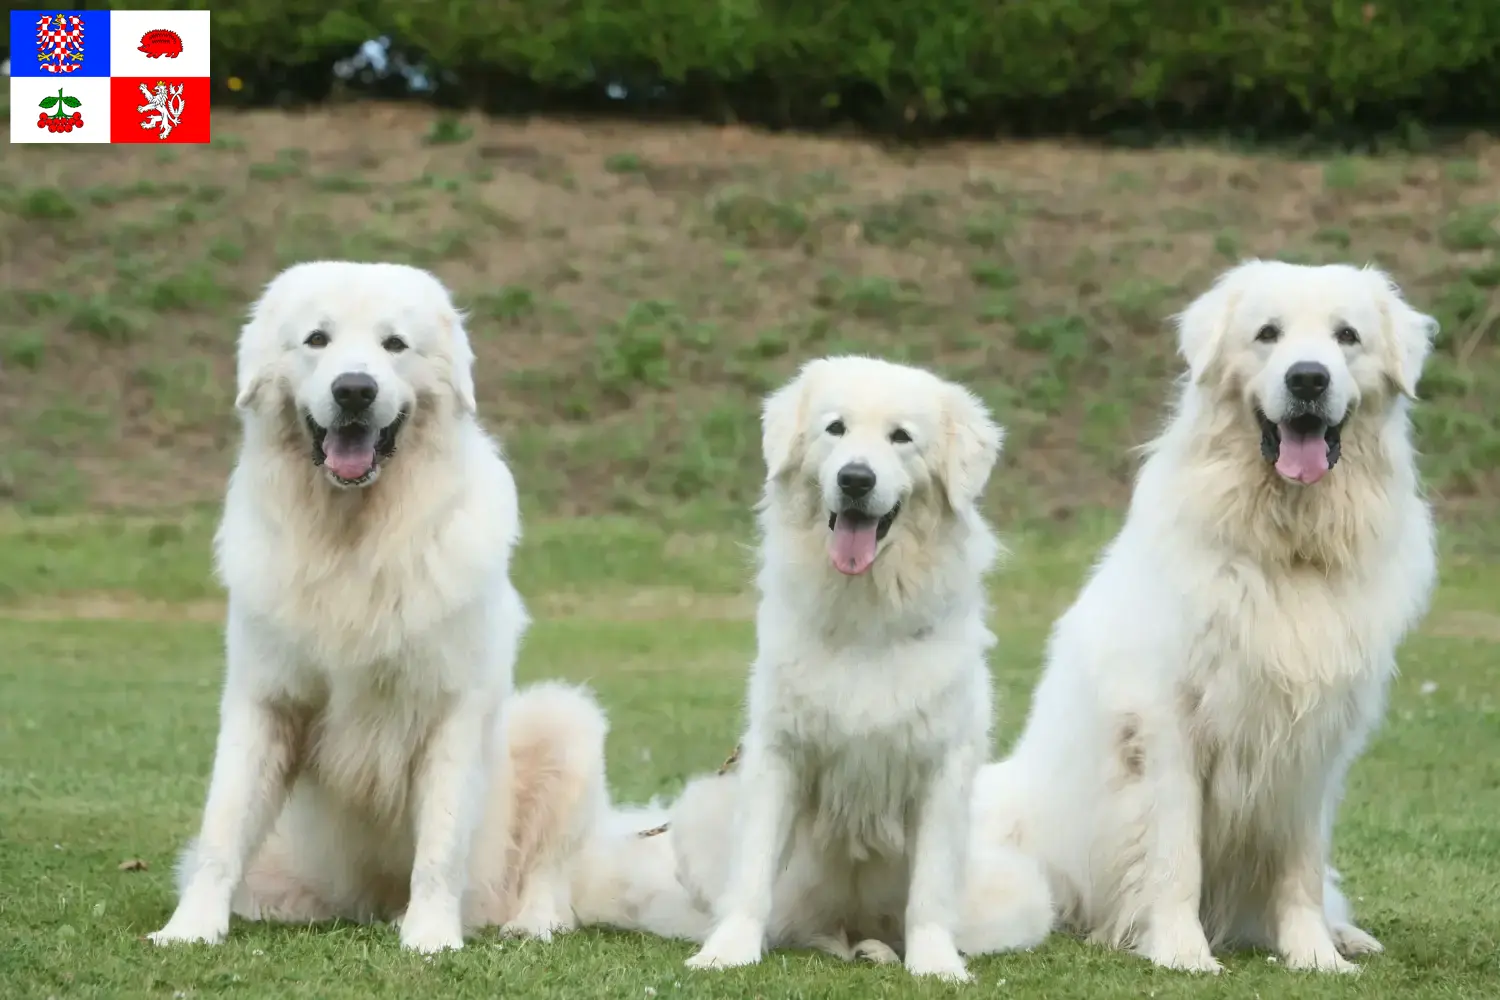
<point x="369" y="763"/>
<point x="1207" y="692"/>
<point x="847" y="816"/>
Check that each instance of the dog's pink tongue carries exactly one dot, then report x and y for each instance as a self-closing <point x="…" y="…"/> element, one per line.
<point x="1303" y="457"/>
<point x="852" y="547"/>
<point x="349" y="455"/>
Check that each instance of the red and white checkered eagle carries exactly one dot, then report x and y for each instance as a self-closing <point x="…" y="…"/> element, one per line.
<point x="59" y="42"/>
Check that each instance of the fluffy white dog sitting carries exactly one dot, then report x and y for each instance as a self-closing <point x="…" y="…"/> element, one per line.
<point x="847" y="816"/>
<point x="1229" y="656"/>
<point x="370" y="762"/>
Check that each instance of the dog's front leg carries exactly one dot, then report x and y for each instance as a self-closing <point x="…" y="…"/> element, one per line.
<point x="937" y="869"/>
<point x="764" y="824"/>
<point x="254" y="762"/>
<point x="448" y="791"/>
<point x="1162" y="774"/>
<point x="1303" y="935"/>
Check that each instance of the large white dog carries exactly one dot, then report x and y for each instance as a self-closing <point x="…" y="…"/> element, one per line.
<point x="1207" y="692"/>
<point x="370" y="764"/>
<point x="845" y="823"/>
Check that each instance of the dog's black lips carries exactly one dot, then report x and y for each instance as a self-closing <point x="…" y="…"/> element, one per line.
<point x="385" y="444"/>
<point x="385" y="447"/>
<point x="1304" y="423"/>
<point x="318" y="432"/>
<point x="858" y="517"/>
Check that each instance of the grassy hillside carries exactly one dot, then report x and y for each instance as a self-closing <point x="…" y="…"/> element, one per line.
<point x="634" y="289"/>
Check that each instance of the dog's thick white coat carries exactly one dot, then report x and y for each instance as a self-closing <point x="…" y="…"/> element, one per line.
<point x="846" y="823"/>
<point x="1226" y="661"/>
<point x="371" y="763"/>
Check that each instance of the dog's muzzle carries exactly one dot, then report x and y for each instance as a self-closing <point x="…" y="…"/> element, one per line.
<point x="352" y="451"/>
<point x="855" y="537"/>
<point x="1303" y="446"/>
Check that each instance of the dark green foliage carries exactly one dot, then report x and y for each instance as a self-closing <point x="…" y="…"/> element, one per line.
<point x="1322" y="61"/>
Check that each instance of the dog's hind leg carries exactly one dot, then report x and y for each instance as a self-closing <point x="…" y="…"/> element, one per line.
<point x="274" y="890"/>
<point x="835" y="944"/>
<point x="1349" y="939"/>
<point x="873" y="950"/>
<point x="315" y="866"/>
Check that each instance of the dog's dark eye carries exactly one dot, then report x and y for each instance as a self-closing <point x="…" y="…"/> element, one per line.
<point x="1346" y="335"/>
<point x="899" y="436"/>
<point x="1268" y="334"/>
<point x="393" y="344"/>
<point x="836" y="428"/>
<point x="316" y="339"/>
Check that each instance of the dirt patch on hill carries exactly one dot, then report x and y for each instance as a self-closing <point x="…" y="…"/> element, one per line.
<point x="634" y="289"/>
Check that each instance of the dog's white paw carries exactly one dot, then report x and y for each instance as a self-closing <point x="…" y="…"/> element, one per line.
<point x="1306" y="943"/>
<point x="429" y="931"/>
<point x="177" y="932"/>
<point x="1351" y="941"/>
<point x="193" y="924"/>
<point x="1321" y="959"/>
<point x="875" y="951"/>
<point x="736" y="941"/>
<point x="930" y="951"/>
<point x="539" y="917"/>
<point x="1183" y="949"/>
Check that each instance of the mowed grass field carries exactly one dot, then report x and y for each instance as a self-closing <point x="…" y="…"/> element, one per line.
<point x="110" y="712"/>
<point x="633" y="290"/>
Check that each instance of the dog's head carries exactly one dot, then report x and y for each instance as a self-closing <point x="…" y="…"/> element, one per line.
<point x="858" y="443"/>
<point x="352" y="353"/>
<point x="1303" y="351"/>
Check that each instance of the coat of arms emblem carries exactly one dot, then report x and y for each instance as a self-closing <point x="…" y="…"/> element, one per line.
<point x="59" y="42"/>
<point x="163" y="107"/>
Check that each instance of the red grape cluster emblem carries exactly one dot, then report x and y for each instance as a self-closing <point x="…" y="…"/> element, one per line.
<point x="60" y="121"/>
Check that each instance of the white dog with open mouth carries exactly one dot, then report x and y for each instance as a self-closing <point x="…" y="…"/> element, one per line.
<point x="847" y="815"/>
<point x="1207" y="692"/>
<point x="370" y="764"/>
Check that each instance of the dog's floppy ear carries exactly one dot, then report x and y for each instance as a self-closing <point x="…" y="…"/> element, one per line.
<point x="783" y="416"/>
<point x="460" y="361"/>
<point x="971" y="443"/>
<point x="1407" y="338"/>
<point x="253" y="370"/>
<point x="254" y="359"/>
<point x="250" y="390"/>
<point x="1203" y="327"/>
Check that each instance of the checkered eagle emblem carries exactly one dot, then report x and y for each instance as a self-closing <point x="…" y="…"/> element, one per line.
<point x="59" y="42"/>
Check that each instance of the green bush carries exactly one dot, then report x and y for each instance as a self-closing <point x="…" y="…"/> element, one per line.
<point x="929" y="59"/>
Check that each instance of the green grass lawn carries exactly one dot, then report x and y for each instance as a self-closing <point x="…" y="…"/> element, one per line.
<point x="109" y="683"/>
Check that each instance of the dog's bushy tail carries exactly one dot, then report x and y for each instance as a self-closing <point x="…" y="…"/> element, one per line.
<point x="627" y="877"/>
<point x="555" y="740"/>
<point x="1008" y="902"/>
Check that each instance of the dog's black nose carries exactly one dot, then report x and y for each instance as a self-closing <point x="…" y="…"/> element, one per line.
<point x="354" y="391"/>
<point x="856" y="479"/>
<point x="1307" y="380"/>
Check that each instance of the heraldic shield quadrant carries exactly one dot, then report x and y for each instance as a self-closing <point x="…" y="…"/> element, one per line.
<point x="116" y="76"/>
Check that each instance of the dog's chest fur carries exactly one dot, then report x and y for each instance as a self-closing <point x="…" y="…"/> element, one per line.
<point x="362" y="737"/>
<point x="1284" y="680"/>
<point x="866" y="727"/>
<point x="352" y="580"/>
